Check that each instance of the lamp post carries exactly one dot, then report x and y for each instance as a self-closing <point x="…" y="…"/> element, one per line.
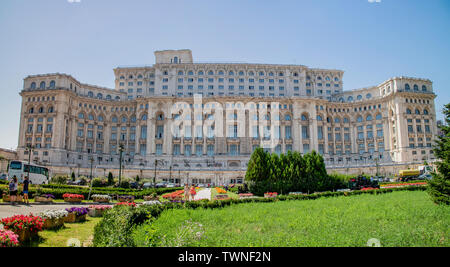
<point x="120" y="162"/>
<point x="29" y="149"/>
<point x="90" y="189"/>
<point x="154" y="177"/>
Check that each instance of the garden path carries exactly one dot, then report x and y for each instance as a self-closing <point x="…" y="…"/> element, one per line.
<point x="203" y="194"/>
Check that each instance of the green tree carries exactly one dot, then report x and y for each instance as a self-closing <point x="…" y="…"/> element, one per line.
<point x="110" y="179"/>
<point x="73" y="176"/>
<point x="439" y="186"/>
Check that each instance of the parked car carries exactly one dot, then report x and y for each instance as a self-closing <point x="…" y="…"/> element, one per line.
<point x="77" y="182"/>
<point x="170" y="185"/>
<point x="147" y="185"/>
<point x="4" y="177"/>
<point x="425" y="176"/>
<point x="161" y="185"/>
<point x="134" y="185"/>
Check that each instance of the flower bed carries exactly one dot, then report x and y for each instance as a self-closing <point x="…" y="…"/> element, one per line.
<point x="221" y="197"/>
<point x="101" y="198"/>
<point x="25" y="226"/>
<point x="369" y="188"/>
<point x="150" y="198"/>
<point x="8" y="239"/>
<point x="6" y="198"/>
<point x="46" y="198"/>
<point x="125" y="198"/>
<point x="53" y="218"/>
<point x="76" y="215"/>
<point x="247" y="195"/>
<point x="73" y="198"/>
<point x="220" y="190"/>
<point x="126" y="204"/>
<point x="271" y="195"/>
<point x="177" y="195"/>
<point x="97" y="210"/>
<point x="394" y="185"/>
<point x="151" y="202"/>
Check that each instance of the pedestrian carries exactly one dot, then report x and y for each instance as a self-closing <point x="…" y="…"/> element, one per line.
<point x="186" y="192"/>
<point x="193" y="192"/>
<point x="13" y="190"/>
<point x="25" y="190"/>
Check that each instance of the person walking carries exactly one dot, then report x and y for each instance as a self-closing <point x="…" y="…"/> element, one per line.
<point x="192" y="192"/>
<point x="25" y="190"/>
<point x="13" y="190"/>
<point x="186" y="192"/>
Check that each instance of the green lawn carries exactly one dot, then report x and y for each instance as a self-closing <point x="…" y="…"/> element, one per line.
<point x="396" y="219"/>
<point x="58" y="238"/>
<point x="230" y="194"/>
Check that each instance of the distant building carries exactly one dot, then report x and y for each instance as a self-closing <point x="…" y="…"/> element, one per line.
<point x="69" y="122"/>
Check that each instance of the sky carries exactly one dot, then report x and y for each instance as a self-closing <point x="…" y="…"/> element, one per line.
<point x="371" y="40"/>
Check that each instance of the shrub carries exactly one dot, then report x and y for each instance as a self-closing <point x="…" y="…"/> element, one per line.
<point x="110" y="179"/>
<point x="60" y="179"/>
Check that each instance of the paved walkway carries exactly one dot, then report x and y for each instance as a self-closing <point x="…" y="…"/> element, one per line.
<point x="203" y="194"/>
<point x="9" y="210"/>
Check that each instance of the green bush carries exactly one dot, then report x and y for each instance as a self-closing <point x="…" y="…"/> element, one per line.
<point x="60" y="179"/>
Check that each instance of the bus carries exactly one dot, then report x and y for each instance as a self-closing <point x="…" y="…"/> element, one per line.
<point x="20" y="169"/>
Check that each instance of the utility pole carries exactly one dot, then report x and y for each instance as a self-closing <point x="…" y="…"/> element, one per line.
<point x="90" y="189"/>
<point x="120" y="162"/>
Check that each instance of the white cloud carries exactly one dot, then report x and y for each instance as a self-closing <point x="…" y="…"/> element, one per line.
<point x="374" y="1"/>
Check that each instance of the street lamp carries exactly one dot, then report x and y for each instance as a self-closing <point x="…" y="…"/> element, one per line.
<point x="120" y="162"/>
<point x="154" y="177"/>
<point x="29" y="149"/>
<point x="90" y="189"/>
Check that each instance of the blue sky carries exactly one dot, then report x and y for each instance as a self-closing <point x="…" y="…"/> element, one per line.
<point x="371" y="42"/>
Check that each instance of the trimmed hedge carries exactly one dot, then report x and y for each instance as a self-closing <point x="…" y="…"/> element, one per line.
<point x="117" y="225"/>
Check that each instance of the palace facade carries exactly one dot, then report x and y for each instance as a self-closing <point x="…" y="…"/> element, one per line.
<point x="219" y="110"/>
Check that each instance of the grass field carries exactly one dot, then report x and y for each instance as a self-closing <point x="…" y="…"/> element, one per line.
<point x="396" y="219"/>
<point x="58" y="238"/>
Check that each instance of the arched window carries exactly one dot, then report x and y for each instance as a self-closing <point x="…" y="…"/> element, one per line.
<point x="369" y="96"/>
<point x="337" y="120"/>
<point x="100" y="118"/>
<point x="200" y="72"/>
<point x="327" y="78"/>
<point x="160" y="117"/>
<point x="210" y="72"/>
<point x="130" y="77"/>
<point x="359" y="97"/>
<point x="304" y="117"/>
<point x="50" y="110"/>
<point x="417" y="112"/>
<point x="407" y="88"/>
<point x="221" y="72"/>
<point x="281" y="74"/>
<point x="81" y="115"/>
<point x="359" y="119"/>
<point x="108" y="97"/>
<point x="175" y="60"/>
<point x="319" y="118"/>
<point x="41" y="110"/>
<point x="350" y="99"/>
<point x="424" y="88"/>
<point x="251" y="73"/>
<point x="140" y="76"/>
<point x="261" y="73"/>
<point x="100" y="96"/>
<point x="231" y="73"/>
<point x="336" y="79"/>
<point x="241" y="73"/>
<point x="114" y="119"/>
<point x="42" y="85"/>
<point x="346" y="120"/>
<point x="122" y="77"/>
<point x="408" y="111"/>
<point x="295" y="74"/>
<point x="90" y="94"/>
<point x="319" y="78"/>
<point x="52" y="85"/>
<point x="180" y="72"/>
<point x="190" y="73"/>
<point x="31" y="110"/>
<point x="425" y="112"/>
<point x="33" y="85"/>
<point x="369" y="118"/>
<point x="133" y="119"/>
<point x="416" y="88"/>
<point x="379" y="117"/>
<point x="124" y="119"/>
<point x="341" y="100"/>
<point x="91" y="117"/>
<point x="144" y="117"/>
<point x="287" y="117"/>
<point x="117" y="97"/>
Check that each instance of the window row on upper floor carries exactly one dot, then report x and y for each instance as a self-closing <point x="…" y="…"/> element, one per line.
<point x="43" y="85"/>
<point x="415" y="87"/>
<point x="232" y="73"/>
